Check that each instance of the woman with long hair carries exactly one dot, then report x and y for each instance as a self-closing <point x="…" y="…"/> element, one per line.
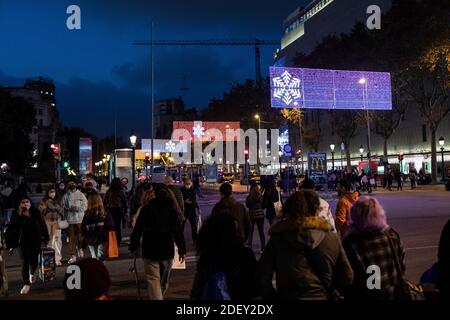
<point x="254" y="203"/>
<point x="370" y="241"/>
<point x="145" y="199"/>
<point x="116" y="204"/>
<point x="270" y="197"/>
<point x="95" y="226"/>
<point x="52" y="211"/>
<point x="304" y="253"/>
<point x="28" y="232"/>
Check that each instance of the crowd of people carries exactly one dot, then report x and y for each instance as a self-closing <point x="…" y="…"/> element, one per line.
<point x="313" y="253"/>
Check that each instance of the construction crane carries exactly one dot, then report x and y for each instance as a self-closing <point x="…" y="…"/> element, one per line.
<point x="219" y="42"/>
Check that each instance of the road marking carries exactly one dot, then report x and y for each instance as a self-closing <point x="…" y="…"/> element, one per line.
<point x="419" y="248"/>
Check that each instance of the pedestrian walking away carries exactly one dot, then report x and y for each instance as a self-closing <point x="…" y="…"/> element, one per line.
<point x="156" y="230"/>
<point x="229" y="205"/>
<point x="190" y="207"/>
<point x="116" y="203"/>
<point x="306" y="256"/>
<point x="256" y="213"/>
<point x="368" y="243"/>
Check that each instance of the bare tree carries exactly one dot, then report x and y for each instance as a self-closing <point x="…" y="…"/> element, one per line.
<point x="428" y="85"/>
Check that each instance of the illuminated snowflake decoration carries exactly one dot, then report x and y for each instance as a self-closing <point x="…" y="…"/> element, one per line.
<point x="199" y="131"/>
<point x="170" y="146"/>
<point x="286" y="88"/>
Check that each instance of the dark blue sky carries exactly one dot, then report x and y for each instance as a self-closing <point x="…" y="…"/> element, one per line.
<point x="97" y="69"/>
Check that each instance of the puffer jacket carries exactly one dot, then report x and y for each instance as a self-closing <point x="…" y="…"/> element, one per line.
<point x="255" y="207"/>
<point x="74" y="199"/>
<point x="296" y="251"/>
<point x="343" y="212"/>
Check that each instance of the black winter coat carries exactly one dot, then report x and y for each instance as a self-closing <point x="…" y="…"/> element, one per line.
<point x="26" y="232"/>
<point x="159" y="226"/>
<point x="189" y="208"/>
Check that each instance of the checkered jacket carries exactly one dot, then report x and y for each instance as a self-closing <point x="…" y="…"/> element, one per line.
<point x="366" y="249"/>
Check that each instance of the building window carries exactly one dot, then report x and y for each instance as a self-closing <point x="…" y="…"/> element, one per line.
<point x="163" y="109"/>
<point x="40" y="112"/>
<point x="424" y="133"/>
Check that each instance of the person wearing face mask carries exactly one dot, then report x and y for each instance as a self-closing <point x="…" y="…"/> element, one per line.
<point x="51" y="210"/>
<point x="28" y="232"/>
<point x="61" y="189"/>
<point x="190" y="204"/>
<point x="75" y="204"/>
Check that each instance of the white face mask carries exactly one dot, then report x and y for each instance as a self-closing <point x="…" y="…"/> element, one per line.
<point x="51" y="195"/>
<point x="188" y="186"/>
<point x="61" y="187"/>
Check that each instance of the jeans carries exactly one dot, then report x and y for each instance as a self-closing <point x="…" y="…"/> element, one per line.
<point x="117" y="215"/>
<point x="29" y="257"/>
<point x="157" y="274"/>
<point x="75" y="241"/>
<point x="55" y="238"/>
<point x="96" y="251"/>
<point x="193" y="222"/>
<point x="260" y="225"/>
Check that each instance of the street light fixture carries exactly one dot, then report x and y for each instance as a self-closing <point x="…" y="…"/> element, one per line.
<point x="332" y="155"/>
<point x="258" y="117"/>
<point x="133" y="139"/>
<point x="363" y="81"/>
<point x="361" y="151"/>
<point x="441" y="143"/>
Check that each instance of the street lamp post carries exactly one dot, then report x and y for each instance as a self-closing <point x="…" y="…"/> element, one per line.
<point x="258" y="117"/>
<point x="363" y="81"/>
<point x="441" y="143"/>
<point x="332" y="156"/>
<point x="361" y="151"/>
<point x="133" y="139"/>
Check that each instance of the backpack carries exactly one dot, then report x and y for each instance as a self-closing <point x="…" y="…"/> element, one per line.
<point x="216" y="287"/>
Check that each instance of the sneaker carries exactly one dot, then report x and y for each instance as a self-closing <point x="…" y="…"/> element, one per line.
<point x="25" y="289"/>
<point x="80" y="253"/>
<point x="32" y="279"/>
<point x="72" y="260"/>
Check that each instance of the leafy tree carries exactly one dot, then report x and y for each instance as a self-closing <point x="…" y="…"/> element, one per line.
<point x="16" y="122"/>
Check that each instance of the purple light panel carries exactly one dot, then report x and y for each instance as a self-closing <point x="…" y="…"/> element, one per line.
<point x="330" y="89"/>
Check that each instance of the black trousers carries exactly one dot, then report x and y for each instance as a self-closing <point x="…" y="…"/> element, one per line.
<point x="29" y="257"/>
<point x="117" y="215"/>
<point x="260" y="224"/>
<point x="193" y="222"/>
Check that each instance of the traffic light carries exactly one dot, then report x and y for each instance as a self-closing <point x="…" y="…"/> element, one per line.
<point x="246" y="154"/>
<point x="56" y="151"/>
<point x="147" y="156"/>
<point x="298" y="152"/>
<point x="66" y="164"/>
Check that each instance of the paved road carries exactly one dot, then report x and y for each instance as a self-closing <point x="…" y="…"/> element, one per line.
<point x="417" y="215"/>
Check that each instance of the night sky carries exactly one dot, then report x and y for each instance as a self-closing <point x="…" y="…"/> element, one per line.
<point x="97" y="70"/>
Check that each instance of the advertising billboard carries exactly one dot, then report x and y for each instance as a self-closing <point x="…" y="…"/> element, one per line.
<point x="330" y="89"/>
<point x="199" y="129"/>
<point x="85" y="155"/>
<point x="317" y="167"/>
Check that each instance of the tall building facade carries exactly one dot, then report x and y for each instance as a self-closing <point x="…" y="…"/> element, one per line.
<point x="40" y="92"/>
<point x="303" y="30"/>
<point x="167" y="111"/>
